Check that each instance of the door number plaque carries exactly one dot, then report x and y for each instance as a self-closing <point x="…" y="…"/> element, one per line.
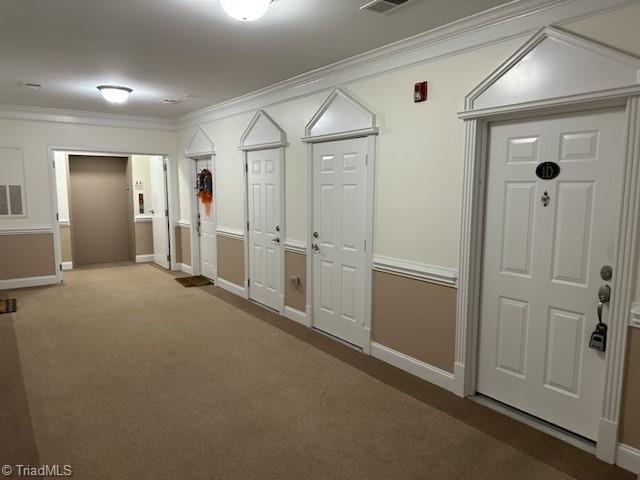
<point x="548" y="170"/>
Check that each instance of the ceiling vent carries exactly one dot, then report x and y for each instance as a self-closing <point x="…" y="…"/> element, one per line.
<point x="383" y="6"/>
<point x="31" y="85"/>
<point x="170" y="101"/>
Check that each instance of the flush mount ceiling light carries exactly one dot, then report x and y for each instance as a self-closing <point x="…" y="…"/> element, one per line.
<point x="115" y="94"/>
<point x="245" y="10"/>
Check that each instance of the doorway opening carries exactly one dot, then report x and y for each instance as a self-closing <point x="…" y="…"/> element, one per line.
<point x="111" y="208"/>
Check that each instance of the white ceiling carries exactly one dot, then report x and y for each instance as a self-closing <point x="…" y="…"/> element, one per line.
<point x="174" y="48"/>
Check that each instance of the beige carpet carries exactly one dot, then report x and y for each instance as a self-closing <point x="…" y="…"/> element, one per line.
<point x="128" y="375"/>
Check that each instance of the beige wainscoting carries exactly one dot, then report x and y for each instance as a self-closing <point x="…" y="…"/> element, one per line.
<point x="65" y="243"/>
<point x="183" y="245"/>
<point x="25" y="255"/>
<point x="415" y="317"/>
<point x="630" y="431"/>
<point x="144" y="238"/>
<point x="231" y="260"/>
<point x="295" y="265"/>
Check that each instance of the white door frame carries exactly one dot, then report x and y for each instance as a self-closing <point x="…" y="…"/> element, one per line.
<point x="263" y="133"/>
<point x="76" y="150"/>
<point x="199" y="147"/>
<point x="477" y="122"/>
<point x="346" y="118"/>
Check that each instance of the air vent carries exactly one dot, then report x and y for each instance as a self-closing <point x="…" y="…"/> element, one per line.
<point x="31" y="85"/>
<point x="383" y="6"/>
<point x="170" y="101"/>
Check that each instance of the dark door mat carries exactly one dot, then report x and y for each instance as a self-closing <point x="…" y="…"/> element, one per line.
<point x="198" y="281"/>
<point x="8" y="305"/>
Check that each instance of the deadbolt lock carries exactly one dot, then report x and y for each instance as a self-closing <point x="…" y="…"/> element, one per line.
<point x="606" y="273"/>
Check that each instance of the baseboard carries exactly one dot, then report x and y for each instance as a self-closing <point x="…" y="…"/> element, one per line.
<point x="296" y="315"/>
<point x="145" y="258"/>
<point x="28" y="282"/>
<point x="607" y="442"/>
<point x="628" y="458"/>
<point x="185" y="268"/>
<point x="67" y="266"/>
<point x="416" y="367"/>
<point x="230" y="287"/>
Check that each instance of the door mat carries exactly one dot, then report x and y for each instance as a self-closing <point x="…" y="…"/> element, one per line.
<point x="8" y="305"/>
<point x="198" y="281"/>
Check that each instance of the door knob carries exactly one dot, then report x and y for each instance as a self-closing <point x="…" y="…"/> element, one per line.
<point x="315" y="234"/>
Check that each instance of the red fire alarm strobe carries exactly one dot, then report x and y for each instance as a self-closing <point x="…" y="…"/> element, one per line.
<point x="420" y="92"/>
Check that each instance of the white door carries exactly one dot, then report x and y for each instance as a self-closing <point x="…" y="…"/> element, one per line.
<point x="206" y="227"/>
<point x="338" y="239"/>
<point x="542" y="264"/>
<point x="160" y="210"/>
<point x="265" y="244"/>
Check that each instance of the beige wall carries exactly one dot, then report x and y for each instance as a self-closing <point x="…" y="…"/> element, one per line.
<point x="183" y="245"/>
<point x="65" y="243"/>
<point x="630" y="433"/>
<point x="231" y="260"/>
<point x="295" y="264"/>
<point x="26" y="255"/>
<point x="416" y="318"/>
<point x="144" y="238"/>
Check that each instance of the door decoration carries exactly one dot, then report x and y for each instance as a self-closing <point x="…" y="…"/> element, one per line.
<point x="204" y="186"/>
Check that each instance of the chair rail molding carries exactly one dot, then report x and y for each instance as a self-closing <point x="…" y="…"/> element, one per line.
<point x="600" y="69"/>
<point x="415" y="270"/>
<point x="295" y="246"/>
<point x="230" y="232"/>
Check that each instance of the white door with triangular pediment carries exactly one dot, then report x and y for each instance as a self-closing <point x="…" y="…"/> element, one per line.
<point x="545" y="244"/>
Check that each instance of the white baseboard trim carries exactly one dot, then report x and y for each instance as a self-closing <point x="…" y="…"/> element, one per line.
<point x="420" y="369"/>
<point x="144" y="258"/>
<point x="628" y="458"/>
<point x="185" y="268"/>
<point x="230" y="287"/>
<point x="296" y="315"/>
<point x="28" y="282"/>
<point x="67" y="266"/>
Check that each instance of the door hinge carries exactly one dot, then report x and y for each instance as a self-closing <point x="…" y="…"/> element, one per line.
<point x="164" y="167"/>
<point x="60" y="267"/>
<point x="57" y="216"/>
<point x="166" y="213"/>
<point x="365" y="245"/>
<point x="366" y="159"/>
<point x="247" y="226"/>
<point x="246" y="167"/>
<point x="248" y="282"/>
<point x="168" y="257"/>
<point x="54" y="164"/>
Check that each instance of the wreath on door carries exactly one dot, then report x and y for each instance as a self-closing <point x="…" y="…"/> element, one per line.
<point x="204" y="186"/>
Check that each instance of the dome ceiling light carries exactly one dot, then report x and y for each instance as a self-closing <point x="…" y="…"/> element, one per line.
<point x="115" y="94"/>
<point x="245" y="10"/>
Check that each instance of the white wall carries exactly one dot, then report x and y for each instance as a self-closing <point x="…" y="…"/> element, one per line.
<point x="35" y="138"/>
<point x="141" y="174"/>
<point x="420" y="147"/>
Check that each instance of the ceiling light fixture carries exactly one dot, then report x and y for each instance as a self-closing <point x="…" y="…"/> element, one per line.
<point x="115" y="94"/>
<point x="245" y="10"/>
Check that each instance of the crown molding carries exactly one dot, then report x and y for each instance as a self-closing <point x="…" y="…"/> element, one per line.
<point x="512" y="20"/>
<point x="80" y="117"/>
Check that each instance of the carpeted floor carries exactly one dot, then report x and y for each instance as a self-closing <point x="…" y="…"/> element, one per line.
<point x="124" y="374"/>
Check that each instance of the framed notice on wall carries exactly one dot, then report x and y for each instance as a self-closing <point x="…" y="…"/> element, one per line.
<point x="12" y="185"/>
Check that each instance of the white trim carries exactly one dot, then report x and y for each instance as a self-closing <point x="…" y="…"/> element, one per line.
<point x="634" y="319"/>
<point x="231" y="287"/>
<point x="67" y="266"/>
<point x="365" y="132"/>
<point x="418" y="368"/>
<point x="494" y="26"/>
<point x="628" y="458"/>
<point x="28" y="282"/>
<point x="64" y="223"/>
<point x="471" y="240"/>
<point x="209" y="152"/>
<point x="295" y="246"/>
<point x="26" y="230"/>
<point x="145" y="258"/>
<point x="147" y="218"/>
<point x="281" y="141"/>
<point x="230" y="232"/>
<point x="183" y="223"/>
<point x="295" y="315"/>
<point x="184" y="268"/>
<point x="417" y="271"/>
<point x="80" y="117"/>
